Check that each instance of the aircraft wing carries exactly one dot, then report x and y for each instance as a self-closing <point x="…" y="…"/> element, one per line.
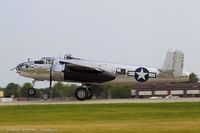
<point x="86" y="73"/>
<point x="84" y="69"/>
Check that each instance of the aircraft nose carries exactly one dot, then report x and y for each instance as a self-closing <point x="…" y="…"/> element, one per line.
<point x="21" y="66"/>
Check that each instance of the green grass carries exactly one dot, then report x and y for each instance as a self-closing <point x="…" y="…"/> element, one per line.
<point x="102" y="118"/>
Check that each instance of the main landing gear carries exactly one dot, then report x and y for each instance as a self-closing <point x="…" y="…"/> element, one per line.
<point x="83" y="93"/>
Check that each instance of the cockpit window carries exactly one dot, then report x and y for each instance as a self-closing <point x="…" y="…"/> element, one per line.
<point x="39" y="62"/>
<point x="68" y="56"/>
<point x="47" y="60"/>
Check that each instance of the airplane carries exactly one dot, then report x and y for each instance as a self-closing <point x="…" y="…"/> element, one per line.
<point x="87" y="72"/>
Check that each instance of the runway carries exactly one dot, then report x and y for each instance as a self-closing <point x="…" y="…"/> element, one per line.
<point x="105" y="101"/>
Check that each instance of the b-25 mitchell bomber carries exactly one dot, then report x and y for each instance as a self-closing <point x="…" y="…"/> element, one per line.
<point x="71" y="69"/>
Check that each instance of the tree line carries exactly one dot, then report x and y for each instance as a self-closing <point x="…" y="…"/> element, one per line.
<point x="60" y="90"/>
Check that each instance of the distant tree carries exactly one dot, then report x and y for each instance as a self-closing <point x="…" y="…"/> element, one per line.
<point x="12" y="89"/>
<point x="57" y="88"/>
<point x="61" y="90"/>
<point x="121" y="91"/>
<point x="69" y="90"/>
<point x="1" y="89"/>
<point x="23" y="92"/>
<point x="118" y="91"/>
<point x="99" y="91"/>
<point x="193" y="78"/>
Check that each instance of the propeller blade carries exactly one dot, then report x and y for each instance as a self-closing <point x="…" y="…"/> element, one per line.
<point x="51" y="75"/>
<point x="51" y="80"/>
<point x="13" y="69"/>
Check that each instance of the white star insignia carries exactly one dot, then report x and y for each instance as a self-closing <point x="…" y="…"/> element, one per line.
<point x="142" y="74"/>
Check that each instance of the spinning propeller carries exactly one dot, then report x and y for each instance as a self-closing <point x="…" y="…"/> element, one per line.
<point x="51" y="78"/>
<point x="51" y="75"/>
<point x="13" y="69"/>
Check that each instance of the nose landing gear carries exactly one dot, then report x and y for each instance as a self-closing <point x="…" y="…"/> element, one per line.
<point x="32" y="91"/>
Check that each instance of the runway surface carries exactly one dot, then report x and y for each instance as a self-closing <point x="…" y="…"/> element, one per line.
<point x="106" y="101"/>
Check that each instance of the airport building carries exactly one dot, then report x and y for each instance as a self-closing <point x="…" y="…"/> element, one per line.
<point x="164" y="90"/>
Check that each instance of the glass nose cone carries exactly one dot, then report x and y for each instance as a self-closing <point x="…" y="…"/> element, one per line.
<point x="19" y="67"/>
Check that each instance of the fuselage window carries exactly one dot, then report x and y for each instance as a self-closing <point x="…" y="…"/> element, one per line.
<point x="120" y="71"/>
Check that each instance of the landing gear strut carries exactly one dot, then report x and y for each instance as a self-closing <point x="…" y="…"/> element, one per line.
<point x="83" y="93"/>
<point x="32" y="91"/>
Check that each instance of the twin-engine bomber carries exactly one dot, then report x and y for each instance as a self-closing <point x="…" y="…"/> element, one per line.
<point x="71" y="69"/>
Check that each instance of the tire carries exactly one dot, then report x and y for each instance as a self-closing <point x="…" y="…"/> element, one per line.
<point x="31" y="92"/>
<point x="81" y="94"/>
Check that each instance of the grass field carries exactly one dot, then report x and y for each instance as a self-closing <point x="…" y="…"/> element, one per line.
<point x="102" y="118"/>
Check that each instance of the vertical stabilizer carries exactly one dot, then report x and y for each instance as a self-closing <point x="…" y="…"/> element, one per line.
<point x="174" y="63"/>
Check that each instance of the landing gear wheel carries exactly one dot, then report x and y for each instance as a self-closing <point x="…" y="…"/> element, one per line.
<point x="81" y="94"/>
<point x="32" y="92"/>
<point x="90" y="93"/>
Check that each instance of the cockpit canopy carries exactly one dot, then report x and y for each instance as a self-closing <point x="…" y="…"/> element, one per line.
<point x="45" y="60"/>
<point x="70" y="57"/>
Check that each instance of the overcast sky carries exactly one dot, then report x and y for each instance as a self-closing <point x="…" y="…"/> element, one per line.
<point x="137" y="32"/>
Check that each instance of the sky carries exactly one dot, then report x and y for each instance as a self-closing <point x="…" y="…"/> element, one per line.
<point x="137" y="32"/>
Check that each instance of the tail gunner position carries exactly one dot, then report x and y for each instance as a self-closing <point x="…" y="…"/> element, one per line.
<point x="71" y="69"/>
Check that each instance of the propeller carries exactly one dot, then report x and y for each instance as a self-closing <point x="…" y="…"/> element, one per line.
<point x="51" y="78"/>
<point x="13" y="69"/>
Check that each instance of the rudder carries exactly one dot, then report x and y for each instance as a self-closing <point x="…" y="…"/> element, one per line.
<point x="174" y="63"/>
